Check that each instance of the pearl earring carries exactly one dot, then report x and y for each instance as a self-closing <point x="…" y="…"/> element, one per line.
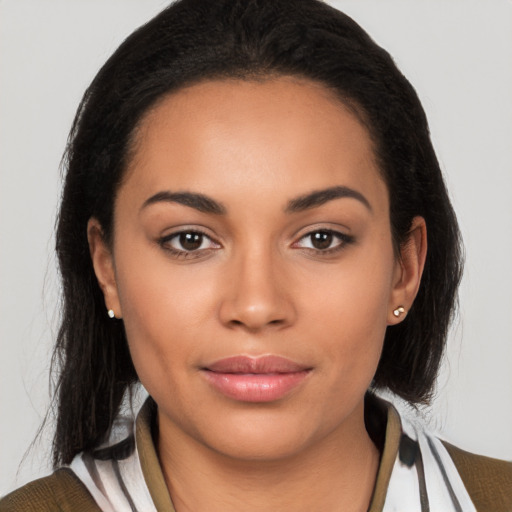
<point x="398" y="311"/>
<point x="111" y="313"/>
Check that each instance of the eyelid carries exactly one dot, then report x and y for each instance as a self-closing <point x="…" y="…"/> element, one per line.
<point x="164" y="240"/>
<point x="343" y="238"/>
<point x="171" y="231"/>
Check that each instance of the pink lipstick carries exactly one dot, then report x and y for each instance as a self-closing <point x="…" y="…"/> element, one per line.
<point x="250" y="379"/>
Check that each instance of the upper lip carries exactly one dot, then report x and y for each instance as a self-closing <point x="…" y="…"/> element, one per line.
<point x="256" y="365"/>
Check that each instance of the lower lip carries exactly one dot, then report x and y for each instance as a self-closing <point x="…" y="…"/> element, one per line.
<point x="255" y="387"/>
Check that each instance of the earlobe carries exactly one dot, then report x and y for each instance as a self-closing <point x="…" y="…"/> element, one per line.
<point x="409" y="271"/>
<point x="103" y="264"/>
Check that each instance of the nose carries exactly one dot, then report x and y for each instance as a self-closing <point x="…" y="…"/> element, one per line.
<point x="257" y="294"/>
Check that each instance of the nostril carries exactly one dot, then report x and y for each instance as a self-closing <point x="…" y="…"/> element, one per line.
<point x="252" y="327"/>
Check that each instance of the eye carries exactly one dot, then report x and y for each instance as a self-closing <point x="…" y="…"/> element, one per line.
<point x="184" y="243"/>
<point x="324" y="241"/>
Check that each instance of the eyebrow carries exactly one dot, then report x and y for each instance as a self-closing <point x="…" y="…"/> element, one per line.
<point x="320" y="197"/>
<point x="200" y="202"/>
<point x="308" y="201"/>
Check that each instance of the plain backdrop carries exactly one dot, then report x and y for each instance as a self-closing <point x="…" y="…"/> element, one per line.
<point x="458" y="55"/>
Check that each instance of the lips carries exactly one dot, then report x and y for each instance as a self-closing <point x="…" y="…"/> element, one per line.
<point x="249" y="379"/>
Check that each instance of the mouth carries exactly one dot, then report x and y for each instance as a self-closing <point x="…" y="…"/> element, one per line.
<point x="255" y="379"/>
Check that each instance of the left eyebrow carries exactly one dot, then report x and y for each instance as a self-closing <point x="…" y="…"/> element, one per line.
<point x="320" y="197"/>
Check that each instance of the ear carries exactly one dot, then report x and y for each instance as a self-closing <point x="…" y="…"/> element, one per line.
<point x="103" y="264"/>
<point x="408" y="272"/>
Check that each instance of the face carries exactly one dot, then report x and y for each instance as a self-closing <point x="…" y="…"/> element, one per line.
<point x="253" y="265"/>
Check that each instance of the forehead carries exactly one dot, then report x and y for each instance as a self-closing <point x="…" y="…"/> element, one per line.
<point x="283" y="133"/>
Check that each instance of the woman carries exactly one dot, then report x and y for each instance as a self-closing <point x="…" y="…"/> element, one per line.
<point x="255" y="226"/>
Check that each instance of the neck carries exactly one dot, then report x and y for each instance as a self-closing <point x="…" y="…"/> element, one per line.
<point x="334" y="474"/>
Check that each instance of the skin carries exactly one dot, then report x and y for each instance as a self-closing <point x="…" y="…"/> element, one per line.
<point x="257" y="286"/>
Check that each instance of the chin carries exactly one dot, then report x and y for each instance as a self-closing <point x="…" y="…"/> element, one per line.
<point x="259" y="437"/>
<point x="262" y="448"/>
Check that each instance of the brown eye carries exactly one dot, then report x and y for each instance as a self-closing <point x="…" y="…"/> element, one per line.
<point x="191" y="241"/>
<point x="186" y="243"/>
<point x="321" y="240"/>
<point x="324" y="241"/>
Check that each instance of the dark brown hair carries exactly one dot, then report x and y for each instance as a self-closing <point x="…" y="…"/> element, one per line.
<point x="196" y="40"/>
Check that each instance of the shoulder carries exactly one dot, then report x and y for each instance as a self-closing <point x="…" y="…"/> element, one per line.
<point x="60" y="492"/>
<point x="487" y="480"/>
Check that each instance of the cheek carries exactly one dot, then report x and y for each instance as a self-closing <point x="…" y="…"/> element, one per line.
<point x="349" y="315"/>
<point x="165" y="311"/>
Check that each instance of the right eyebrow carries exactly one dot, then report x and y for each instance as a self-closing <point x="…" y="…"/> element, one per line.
<point x="194" y="200"/>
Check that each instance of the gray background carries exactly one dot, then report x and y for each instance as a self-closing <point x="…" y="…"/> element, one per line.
<point x="457" y="53"/>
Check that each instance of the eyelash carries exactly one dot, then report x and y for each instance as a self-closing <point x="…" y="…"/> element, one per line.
<point x="342" y="238"/>
<point x="182" y="253"/>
